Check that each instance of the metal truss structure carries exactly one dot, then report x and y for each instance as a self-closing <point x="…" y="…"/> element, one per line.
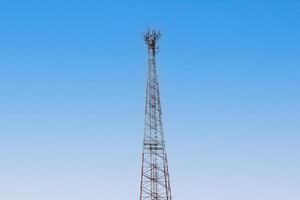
<point x="155" y="182"/>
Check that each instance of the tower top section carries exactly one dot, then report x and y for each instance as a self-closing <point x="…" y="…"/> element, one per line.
<point x="151" y="38"/>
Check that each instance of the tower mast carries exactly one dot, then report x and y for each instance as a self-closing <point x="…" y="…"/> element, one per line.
<point x="155" y="182"/>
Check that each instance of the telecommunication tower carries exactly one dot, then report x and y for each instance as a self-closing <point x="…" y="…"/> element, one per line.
<point x="155" y="182"/>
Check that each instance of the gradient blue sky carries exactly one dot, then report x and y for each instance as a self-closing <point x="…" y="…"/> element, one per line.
<point x="72" y="89"/>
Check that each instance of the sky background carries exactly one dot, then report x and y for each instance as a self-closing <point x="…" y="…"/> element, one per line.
<point x="72" y="89"/>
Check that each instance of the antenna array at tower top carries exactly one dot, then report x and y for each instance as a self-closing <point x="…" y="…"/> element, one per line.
<point x="151" y="37"/>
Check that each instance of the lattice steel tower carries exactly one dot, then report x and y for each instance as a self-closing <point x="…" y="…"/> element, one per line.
<point x="155" y="182"/>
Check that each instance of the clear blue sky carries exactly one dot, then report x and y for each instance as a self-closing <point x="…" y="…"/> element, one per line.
<point x="72" y="89"/>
